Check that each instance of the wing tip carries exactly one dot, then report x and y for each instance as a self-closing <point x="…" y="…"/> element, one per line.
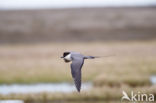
<point x="79" y="90"/>
<point x="78" y="87"/>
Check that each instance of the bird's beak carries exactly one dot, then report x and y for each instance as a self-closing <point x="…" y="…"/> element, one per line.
<point x="61" y="57"/>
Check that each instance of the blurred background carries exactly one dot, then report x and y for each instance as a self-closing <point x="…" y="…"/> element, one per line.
<point x="35" y="33"/>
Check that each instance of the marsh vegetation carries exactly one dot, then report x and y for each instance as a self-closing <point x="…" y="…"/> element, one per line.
<point x="128" y="66"/>
<point x="33" y="41"/>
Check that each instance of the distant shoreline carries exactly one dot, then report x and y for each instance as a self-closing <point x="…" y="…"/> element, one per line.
<point x="78" y="25"/>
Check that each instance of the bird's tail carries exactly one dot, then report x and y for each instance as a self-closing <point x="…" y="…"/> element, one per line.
<point x="93" y="57"/>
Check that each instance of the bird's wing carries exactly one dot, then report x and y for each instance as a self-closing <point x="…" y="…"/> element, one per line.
<point x="76" y="66"/>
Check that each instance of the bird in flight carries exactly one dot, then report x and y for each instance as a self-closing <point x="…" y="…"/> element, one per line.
<point x="76" y="65"/>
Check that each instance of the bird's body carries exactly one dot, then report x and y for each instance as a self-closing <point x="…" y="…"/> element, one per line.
<point x="76" y="65"/>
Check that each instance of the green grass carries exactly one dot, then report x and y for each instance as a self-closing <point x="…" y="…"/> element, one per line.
<point x="128" y="69"/>
<point x="117" y="81"/>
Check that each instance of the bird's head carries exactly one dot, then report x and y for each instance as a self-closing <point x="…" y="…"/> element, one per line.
<point x="66" y="57"/>
<point x="65" y="54"/>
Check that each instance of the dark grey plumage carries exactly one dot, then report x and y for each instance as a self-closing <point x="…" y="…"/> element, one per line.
<point x="76" y="65"/>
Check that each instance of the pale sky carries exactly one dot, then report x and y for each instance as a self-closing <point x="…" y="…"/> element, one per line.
<point x="30" y="4"/>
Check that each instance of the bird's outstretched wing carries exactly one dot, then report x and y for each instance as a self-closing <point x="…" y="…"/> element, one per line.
<point x="76" y="66"/>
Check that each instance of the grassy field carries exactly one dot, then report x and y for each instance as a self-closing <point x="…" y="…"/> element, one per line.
<point x="42" y="63"/>
<point x="32" y="42"/>
<point x="104" y="94"/>
<point x="128" y="66"/>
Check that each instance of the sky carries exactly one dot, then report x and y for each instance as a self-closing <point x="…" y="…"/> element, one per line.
<point x="37" y="4"/>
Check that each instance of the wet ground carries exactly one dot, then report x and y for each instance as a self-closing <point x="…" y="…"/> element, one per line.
<point x="42" y="87"/>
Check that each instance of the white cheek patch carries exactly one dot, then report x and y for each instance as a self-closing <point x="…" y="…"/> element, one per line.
<point x="68" y="57"/>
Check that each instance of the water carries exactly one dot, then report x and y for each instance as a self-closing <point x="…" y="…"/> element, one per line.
<point x="48" y="87"/>
<point x="37" y="4"/>
<point x="11" y="101"/>
<point x="153" y="79"/>
<point x="36" y="88"/>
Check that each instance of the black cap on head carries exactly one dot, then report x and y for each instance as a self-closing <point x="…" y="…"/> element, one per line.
<point x="65" y="54"/>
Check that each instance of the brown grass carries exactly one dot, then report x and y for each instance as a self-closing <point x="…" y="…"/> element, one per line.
<point x="42" y="63"/>
<point x="128" y="67"/>
<point x="104" y="94"/>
